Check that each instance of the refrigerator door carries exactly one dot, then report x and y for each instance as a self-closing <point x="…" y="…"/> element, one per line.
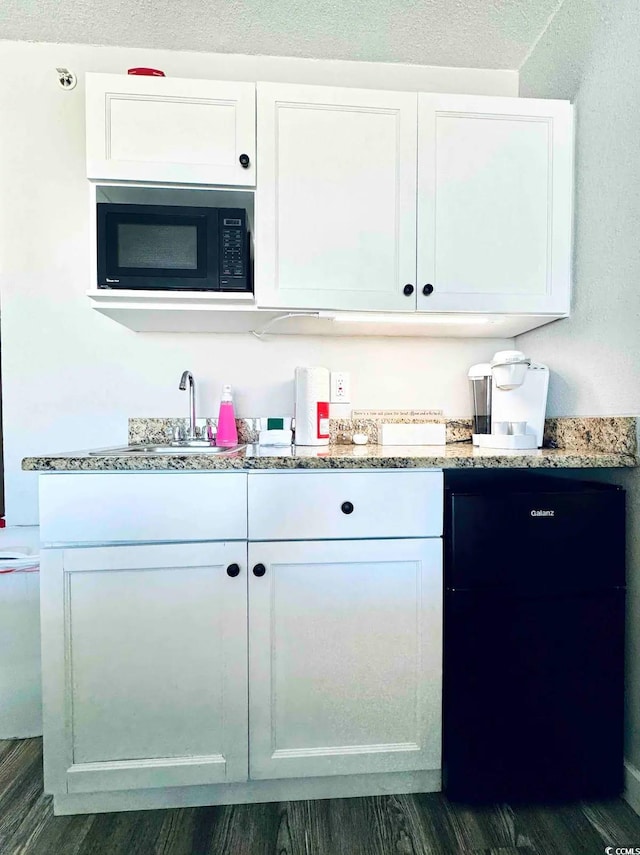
<point x="536" y="541"/>
<point x="533" y="696"/>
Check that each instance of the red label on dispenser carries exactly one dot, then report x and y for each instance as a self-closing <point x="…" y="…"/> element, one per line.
<point x="323" y="420"/>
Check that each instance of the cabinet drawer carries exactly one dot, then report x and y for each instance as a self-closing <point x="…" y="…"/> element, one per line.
<point x="319" y="505"/>
<point x="111" y="507"/>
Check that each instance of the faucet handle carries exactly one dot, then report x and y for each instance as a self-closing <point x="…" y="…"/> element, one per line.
<point x="178" y="433"/>
<point x="205" y="432"/>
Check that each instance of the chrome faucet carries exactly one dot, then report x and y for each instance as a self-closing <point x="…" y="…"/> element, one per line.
<point x="187" y="377"/>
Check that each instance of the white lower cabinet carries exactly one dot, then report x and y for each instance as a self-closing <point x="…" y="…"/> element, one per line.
<point x="144" y="663"/>
<point x="170" y="669"/>
<point x="345" y="657"/>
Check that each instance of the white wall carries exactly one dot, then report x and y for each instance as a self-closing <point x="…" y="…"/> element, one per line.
<point x="590" y="52"/>
<point x="72" y="377"/>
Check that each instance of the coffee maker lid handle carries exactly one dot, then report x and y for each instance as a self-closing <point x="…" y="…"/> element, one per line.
<point x="509" y="357"/>
<point x="479" y="370"/>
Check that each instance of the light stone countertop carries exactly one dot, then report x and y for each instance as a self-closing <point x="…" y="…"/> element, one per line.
<point x="451" y="456"/>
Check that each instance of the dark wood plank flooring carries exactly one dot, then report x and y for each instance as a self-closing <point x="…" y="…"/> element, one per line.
<point x="424" y="824"/>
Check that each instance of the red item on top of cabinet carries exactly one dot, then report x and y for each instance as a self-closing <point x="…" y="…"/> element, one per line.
<point x="148" y="72"/>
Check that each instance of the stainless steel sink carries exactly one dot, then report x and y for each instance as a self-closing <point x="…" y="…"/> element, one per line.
<point x="188" y="447"/>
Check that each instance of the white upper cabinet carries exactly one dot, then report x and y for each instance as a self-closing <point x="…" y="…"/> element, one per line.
<point x="170" y="130"/>
<point x="366" y="201"/>
<point x="494" y="204"/>
<point x="335" y="203"/>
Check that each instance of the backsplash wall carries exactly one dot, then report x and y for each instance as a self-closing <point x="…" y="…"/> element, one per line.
<point x="71" y="377"/>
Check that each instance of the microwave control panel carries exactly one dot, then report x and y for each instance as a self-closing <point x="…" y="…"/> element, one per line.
<point x="234" y="256"/>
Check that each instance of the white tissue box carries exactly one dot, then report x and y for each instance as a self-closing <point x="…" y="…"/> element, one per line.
<point x="275" y="437"/>
<point x="413" y="434"/>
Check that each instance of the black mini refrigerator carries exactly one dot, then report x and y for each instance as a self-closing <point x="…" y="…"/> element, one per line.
<point x="533" y="638"/>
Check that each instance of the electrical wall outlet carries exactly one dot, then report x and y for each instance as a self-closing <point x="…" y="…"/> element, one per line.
<point x="340" y="387"/>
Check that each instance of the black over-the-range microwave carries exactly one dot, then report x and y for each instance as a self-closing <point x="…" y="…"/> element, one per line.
<point x="170" y="248"/>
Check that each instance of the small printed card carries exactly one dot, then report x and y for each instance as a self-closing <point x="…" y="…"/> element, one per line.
<point x="400" y="415"/>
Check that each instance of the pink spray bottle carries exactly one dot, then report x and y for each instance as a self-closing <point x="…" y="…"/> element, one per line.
<point x="227" y="431"/>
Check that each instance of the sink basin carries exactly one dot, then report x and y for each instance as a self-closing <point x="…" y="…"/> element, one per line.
<point x="192" y="447"/>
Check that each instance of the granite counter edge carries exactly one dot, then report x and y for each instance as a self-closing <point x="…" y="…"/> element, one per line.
<point x="549" y="459"/>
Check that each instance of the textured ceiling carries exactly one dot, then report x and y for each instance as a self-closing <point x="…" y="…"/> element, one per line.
<point x="465" y="33"/>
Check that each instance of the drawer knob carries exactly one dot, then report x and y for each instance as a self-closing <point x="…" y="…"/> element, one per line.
<point x="347" y="508"/>
<point x="407" y="290"/>
<point x="428" y="289"/>
<point x="244" y="161"/>
<point x="259" y="570"/>
<point x="233" y="570"/>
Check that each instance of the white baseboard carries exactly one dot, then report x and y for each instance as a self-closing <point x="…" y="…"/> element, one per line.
<point x="292" y="789"/>
<point x="632" y="786"/>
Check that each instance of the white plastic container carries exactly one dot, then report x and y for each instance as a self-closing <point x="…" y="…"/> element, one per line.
<point x="20" y="690"/>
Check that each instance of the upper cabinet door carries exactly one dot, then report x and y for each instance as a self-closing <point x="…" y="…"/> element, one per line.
<point x="494" y="204"/>
<point x="173" y="130"/>
<point x="336" y="201"/>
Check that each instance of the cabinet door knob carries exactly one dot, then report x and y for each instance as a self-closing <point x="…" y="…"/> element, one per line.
<point x="428" y="289"/>
<point x="347" y="507"/>
<point x="259" y="570"/>
<point x="233" y="570"/>
<point x="407" y="290"/>
<point x="244" y="161"/>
